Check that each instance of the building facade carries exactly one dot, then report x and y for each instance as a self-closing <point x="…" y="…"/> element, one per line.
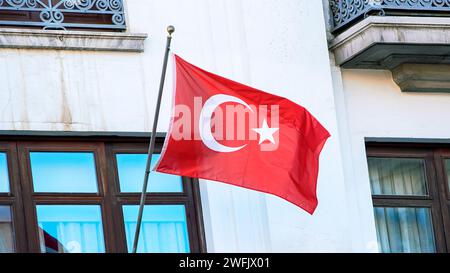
<point x="78" y="84"/>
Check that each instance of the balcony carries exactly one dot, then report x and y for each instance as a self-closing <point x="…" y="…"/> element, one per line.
<point x="409" y="37"/>
<point x="348" y="12"/>
<point x="105" y="15"/>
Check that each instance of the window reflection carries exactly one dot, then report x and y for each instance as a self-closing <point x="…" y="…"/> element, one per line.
<point x="63" y="172"/>
<point x="6" y="230"/>
<point x="70" y="228"/>
<point x="50" y="244"/>
<point x="163" y="229"/>
<point x="131" y="168"/>
<point x="4" y="177"/>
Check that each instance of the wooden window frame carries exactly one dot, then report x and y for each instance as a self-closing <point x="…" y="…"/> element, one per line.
<point x="444" y="189"/>
<point x="23" y="200"/>
<point x="14" y="197"/>
<point x="438" y="193"/>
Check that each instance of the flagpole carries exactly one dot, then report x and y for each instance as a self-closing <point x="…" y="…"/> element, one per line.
<point x="151" y="149"/>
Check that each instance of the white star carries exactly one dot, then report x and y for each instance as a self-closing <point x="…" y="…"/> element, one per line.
<point x="266" y="133"/>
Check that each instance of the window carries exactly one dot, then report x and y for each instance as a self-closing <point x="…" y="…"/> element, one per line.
<point x="82" y="196"/>
<point x="168" y="224"/>
<point x="410" y="196"/>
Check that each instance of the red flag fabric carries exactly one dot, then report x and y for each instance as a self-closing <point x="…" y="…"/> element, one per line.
<point x="225" y="131"/>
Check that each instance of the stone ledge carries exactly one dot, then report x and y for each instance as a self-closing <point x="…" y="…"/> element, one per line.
<point x="71" y="40"/>
<point x="384" y="42"/>
<point x="422" y="77"/>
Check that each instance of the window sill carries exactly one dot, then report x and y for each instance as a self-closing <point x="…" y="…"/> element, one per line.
<point x="71" y="40"/>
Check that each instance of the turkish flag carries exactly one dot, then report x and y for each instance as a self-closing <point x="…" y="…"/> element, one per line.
<point x="225" y="131"/>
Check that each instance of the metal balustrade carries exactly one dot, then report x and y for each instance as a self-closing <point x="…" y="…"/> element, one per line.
<point x="346" y="12"/>
<point x="63" y="14"/>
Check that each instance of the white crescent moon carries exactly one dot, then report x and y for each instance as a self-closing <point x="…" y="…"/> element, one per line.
<point x="205" y="122"/>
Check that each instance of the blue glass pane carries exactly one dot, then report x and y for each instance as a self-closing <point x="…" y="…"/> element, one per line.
<point x="131" y="175"/>
<point x="4" y="177"/>
<point x="70" y="228"/>
<point x="404" y="230"/>
<point x="163" y="230"/>
<point x="63" y="172"/>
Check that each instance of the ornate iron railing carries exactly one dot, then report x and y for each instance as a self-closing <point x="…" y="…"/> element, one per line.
<point x="347" y="11"/>
<point x="63" y="14"/>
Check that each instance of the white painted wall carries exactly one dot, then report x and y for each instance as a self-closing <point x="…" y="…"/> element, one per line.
<point x="378" y="108"/>
<point x="359" y="200"/>
<point x="277" y="46"/>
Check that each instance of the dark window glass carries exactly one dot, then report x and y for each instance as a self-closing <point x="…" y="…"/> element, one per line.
<point x="6" y="230"/>
<point x="404" y="230"/>
<point x="397" y="176"/>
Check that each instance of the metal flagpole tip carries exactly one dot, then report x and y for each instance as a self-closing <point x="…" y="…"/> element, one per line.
<point x="170" y="30"/>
